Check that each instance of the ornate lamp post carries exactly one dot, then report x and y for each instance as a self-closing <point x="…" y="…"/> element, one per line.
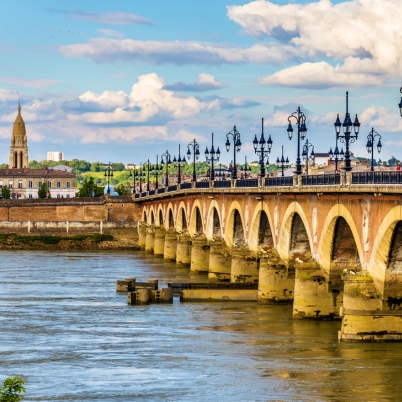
<point x="142" y="176"/>
<point x="336" y="155"/>
<point x="282" y="163"/>
<point x="156" y="170"/>
<point x="108" y="175"/>
<point x="133" y="174"/>
<point x="347" y="136"/>
<point x="212" y="157"/>
<point x="147" y="171"/>
<point x="370" y="145"/>
<point x="179" y="163"/>
<point x="236" y="147"/>
<point x="400" y="103"/>
<point x="300" y="120"/>
<point x="262" y="152"/>
<point x="166" y="155"/>
<point x="245" y="169"/>
<point x="196" y="154"/>
<point x="305" y="154"/>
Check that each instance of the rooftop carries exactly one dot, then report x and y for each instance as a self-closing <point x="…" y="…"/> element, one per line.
<point x="26" y="172"/>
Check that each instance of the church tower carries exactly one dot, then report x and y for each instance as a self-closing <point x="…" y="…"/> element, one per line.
<point x="19" y="146"/>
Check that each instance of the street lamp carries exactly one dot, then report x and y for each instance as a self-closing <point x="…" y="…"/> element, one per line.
<point x="300" y="120"/>
<point x="282" y="163"/>
<point x="166" y="155"/>
<point x="156" y="170"/>
<point x="108" y="174"/>
<point x="147" y="171"/>
<point x="196" y="154"/>
<point x="245" y="169"/>
<point x="236" y="147"/>
<point x="179" y="163"/>
<point x="305" y="154"/>
<point x="212" y="157"/>
<point x="370" y="144"/>
<point x="142" y="177"/>
<point x="336" y="155"/>
<point x="347" y="136"/>
<point x="133" y="174"/>
<point x="400" y="103"/>
<point x="262" y="152"/>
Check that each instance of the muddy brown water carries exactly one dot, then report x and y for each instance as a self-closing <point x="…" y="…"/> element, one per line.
<point x="66" y="331"/>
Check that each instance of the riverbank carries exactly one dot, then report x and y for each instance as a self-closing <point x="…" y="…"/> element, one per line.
<point x="90" y="242"/>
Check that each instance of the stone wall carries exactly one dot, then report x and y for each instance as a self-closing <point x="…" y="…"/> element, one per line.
<point x="114" y="209"/>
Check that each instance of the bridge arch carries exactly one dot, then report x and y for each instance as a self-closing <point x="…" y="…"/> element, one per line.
<point x="214" y="221"/>
<point x="181" y="219"/>
<point x="333" y="225"/>
<point x="235" y="230"/>
<point x="261" y="235"/>
<point x="286" y="231"/>
<point x="169" y="220"/>
<point x="196" y="226"/>
<point x="384" y="267"/>
<point x="152" y="216"/>
<point x="160" y="221"/>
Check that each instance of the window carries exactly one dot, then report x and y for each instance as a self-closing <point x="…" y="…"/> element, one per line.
<point x="40" y="184"/>
<point x="1" y="183"/>
<point x="68" y="184"/>
<point x="30" y="196"/>
<point x="49" y="184"/>
<point x="30" y="184"/>
<point x="58" y="184"/>
<point x="10" y="184"/>
<point x="58" y="195"/>
<point x="68" y="196"/>
<point x="19" y="183"/>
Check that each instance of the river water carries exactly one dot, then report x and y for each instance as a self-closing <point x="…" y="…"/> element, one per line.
<point x="65" y="330"/>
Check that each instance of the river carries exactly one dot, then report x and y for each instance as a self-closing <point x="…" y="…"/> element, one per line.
<point x="64" y="329"/>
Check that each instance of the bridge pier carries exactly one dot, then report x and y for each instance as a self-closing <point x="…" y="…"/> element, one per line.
<point x="200" y="254"/>
<point x="150" y="239"/>
<point x="169" y="252"/>
<point x="312" y="296"/>
<point x="159" y="242"/>
<point x="142" y="234"/>
<point x="220" y="261"/>
<point x="183" y="252"/>
<point x="244" y="266"/>
<point x="276" y="281"/>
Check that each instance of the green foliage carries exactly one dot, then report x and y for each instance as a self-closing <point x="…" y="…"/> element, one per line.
<point x="123" y="190"/>
<point x="119" y="167"/>
<point x="43" y="190"/>
<point x="3" y="166"/>
<point x="13" y="238"/>
<point x="12" y="388"/>
<point x="101" y="237"/>
<point x="88" y="187"/>
<point x="97" y="167"/>
<point x="5" y="192"/>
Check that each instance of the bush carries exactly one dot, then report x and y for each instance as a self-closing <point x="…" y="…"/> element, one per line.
<point x="12" y="388"/>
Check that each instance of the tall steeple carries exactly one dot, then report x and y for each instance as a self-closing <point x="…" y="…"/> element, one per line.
<point x="19" y="145"/>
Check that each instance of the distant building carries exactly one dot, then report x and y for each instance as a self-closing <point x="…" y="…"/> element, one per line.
<point x="24" y="182"/>
<point x="63" y="168"/>
<point x="322" y="159"/>
<point x="55" y="156"/>
<point x="131" y="166"/>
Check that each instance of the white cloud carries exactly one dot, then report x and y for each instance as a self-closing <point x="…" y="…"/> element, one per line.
<point x="322" y="75"/>
<point x="39" y="83"/>
<point x="111" y="32"/>
<point x="205" y="82"/>
<point x="365" y="33"/>
<point x="10" y="95"/>
<point x="112" y="18"/>
<point x="105" y="50"/>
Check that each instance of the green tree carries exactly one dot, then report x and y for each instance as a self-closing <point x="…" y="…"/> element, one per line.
<point x="5" y="192"/>
<point x="119" y="167"/>
<point x="88" y="187"/>
<point x="12" y="388"/>
<point x="122" y="190"/>
<point x="3" y="166"/>
<point x="96" y="167"/>
<point x="43" y="191"/>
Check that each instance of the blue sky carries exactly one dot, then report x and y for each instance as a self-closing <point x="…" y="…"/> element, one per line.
<point x="124" y="80"/>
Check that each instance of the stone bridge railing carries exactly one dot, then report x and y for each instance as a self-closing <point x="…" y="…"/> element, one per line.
<point x="377" y="182"/>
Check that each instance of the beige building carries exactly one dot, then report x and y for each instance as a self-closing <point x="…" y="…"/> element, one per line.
<point x="24" y="182"/>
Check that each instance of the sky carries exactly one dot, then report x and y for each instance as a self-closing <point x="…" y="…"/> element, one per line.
<point x="129" y="80"/>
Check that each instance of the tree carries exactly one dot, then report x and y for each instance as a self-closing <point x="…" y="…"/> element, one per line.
<point x="119" y="167"/>
<point x="96" y="167"/>
<point x="12" y="388"/>
<point x="5" y="193"/>
<point x="122" y="190"/>
<point x="43" y="191"/>
<point x="88" y="187"/>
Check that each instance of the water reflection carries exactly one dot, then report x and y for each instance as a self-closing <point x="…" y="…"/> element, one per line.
<point x="64" y="329"/>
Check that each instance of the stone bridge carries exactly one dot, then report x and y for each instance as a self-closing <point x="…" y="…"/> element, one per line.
<point x="333" y="250"/>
